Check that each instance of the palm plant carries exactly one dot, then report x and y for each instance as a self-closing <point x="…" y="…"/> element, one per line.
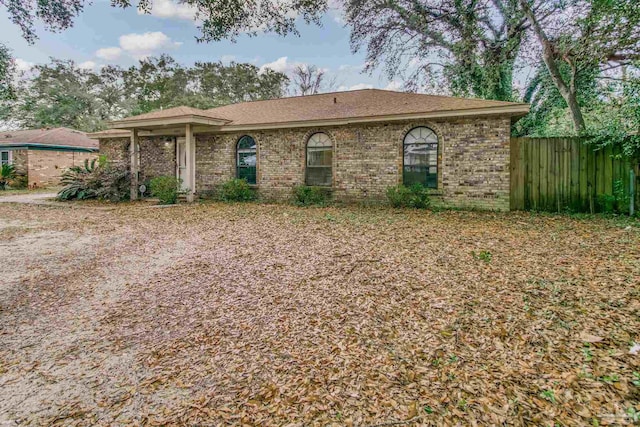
<point x="90" y="181"/>
<point x="79" y="182"/>
<point x="7" y="174"/>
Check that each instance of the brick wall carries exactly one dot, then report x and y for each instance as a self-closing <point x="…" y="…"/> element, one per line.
<point x="115" y="149"/>
<point x="21" y="161"/>
<point x="46" y="166"/>
<point x="157" y="157"/>
<point x="473" y="160"/>
<point x="157" y="154"/>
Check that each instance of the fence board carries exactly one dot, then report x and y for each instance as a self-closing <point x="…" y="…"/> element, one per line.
<point x="563" y="173"/>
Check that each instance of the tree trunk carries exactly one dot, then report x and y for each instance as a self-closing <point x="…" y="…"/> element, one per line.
<point x="568" y="92"/>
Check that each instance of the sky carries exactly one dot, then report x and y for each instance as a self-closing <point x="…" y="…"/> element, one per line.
<point x="105" y="35"/>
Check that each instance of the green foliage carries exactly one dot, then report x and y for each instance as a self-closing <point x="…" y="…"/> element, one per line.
<point x="549" y="395"/>
<point x="7" y="174"/>
<point x="7" y="68"/>
<point x="636" y="379"/>
<point x="615" y="120"/>
<point x="416" y="196"/>
<point x="549" y="114"/>
<point x="231" y="18"/>
<point x="165" y="188"/>
<point x="237" y="190"/>
<point x="90" y="181"/>
<point x="62" y="94"/>
<point x="305" y="195"/>
<point x="618" y="202"/>
<point x="405" y="36"/>
<point x="485" y="256"/>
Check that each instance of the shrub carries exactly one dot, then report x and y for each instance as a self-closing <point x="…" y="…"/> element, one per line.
<point x="165" y="188"/>
<point x="415" y="196"/>
<point x="79" y="182"/>
<point x="305" y="195"/>
<point x="7" y="174"/>
<point x="89" y="181"/>
<point x="617" y="202"/>
<point x="20" y="181"/>
<point x="236" y="190"/>
<point x="115" y="183"/>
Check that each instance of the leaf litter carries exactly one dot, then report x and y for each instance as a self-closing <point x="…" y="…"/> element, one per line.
<point x="274" y="315"/>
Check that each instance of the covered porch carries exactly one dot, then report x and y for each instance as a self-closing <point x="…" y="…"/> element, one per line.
<point x="181" y="123"/>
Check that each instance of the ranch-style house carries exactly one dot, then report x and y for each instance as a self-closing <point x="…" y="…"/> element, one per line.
<point x="356" y="143"/>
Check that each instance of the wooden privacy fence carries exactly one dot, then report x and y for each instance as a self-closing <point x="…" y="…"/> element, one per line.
<point x="553" y="174"/>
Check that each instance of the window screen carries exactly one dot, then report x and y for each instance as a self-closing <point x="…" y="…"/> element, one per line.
<point x="319" y="160"/>
<point x="420" y="165"/>
<point x="246" y="159"/>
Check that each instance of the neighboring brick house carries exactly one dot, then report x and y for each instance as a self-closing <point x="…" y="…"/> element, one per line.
<point x="41" y="155"/>
<point x="356" y="143"/>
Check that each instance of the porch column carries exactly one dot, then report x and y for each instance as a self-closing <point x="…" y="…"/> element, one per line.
<point x="134" y="152"/>
<point x="190" y="151"/>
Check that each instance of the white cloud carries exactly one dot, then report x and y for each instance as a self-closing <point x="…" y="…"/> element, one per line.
<point x="22" y="65"/>
<point x="394" y="85"/>
<point x="283" y="65"/>
<point x="142" y="45"/>
<point x="227" y="58"/>
<point x="109" y="53"/>
<point x="87" y="65"/>
<point x="359" y="86"/>
<point x="171" y="10"/>
<point x="280" y="65"/>
<point x="138" y="46"/>
<point x="336" y="11"/>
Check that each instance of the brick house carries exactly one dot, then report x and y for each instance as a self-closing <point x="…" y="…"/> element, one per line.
<point x="41" y="155"/>
<point x="356" y="143"/>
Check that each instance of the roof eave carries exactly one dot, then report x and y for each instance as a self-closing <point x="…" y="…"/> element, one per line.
<point x="517" y="110"/>
<point x="52" y="147"/>
<point x="166" y="121"/>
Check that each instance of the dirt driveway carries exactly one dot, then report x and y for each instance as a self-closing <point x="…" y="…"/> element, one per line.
<point x="274" y="315"/>
<point x="31" y="197"/>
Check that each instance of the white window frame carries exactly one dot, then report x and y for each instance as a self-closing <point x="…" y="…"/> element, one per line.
<point x="9" y="157"/>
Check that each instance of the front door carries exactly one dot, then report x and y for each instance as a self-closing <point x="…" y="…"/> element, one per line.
<point x="181" y="164"/>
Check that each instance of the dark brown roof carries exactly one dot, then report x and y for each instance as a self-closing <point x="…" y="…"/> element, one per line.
<point x="347" y="105"/>
<point x="60" y="137"/>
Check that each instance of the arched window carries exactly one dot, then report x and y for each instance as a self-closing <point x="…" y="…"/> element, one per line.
<point x="420" y="164"/>
<point x="319" y="160"/>
<point x="246" y="159"/>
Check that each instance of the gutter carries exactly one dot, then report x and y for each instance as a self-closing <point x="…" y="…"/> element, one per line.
<point x="38" y="146"/>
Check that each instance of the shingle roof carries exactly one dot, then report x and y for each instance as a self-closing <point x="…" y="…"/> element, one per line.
<point x="346" y="105"/>
<point x="170" y="113"/>
<point x="367" y="104"/>
<point x="61" y="136"/>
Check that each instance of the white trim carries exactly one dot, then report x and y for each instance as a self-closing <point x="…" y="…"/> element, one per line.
<point x="9" y="157"/>
<point x="168" y="121"/>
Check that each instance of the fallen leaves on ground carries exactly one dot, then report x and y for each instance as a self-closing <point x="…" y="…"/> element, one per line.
<point x="274" y="315"/>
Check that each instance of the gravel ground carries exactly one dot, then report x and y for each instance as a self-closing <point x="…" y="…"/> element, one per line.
<point x="275" y="315"/>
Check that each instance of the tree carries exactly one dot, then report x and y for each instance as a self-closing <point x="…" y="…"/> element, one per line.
<point x="582" y="35"/>
<point x="549" y="115"/>
<point x="218" y="19"/>
<point x="7" y="68"/>
<point x="220" y="84"/>
<point x="163" y="83"/>
<point x="310" y="80"/>
<point x="616" y="119"/>
<point x="62" y="94"/>
<point x="471" y="44"/>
